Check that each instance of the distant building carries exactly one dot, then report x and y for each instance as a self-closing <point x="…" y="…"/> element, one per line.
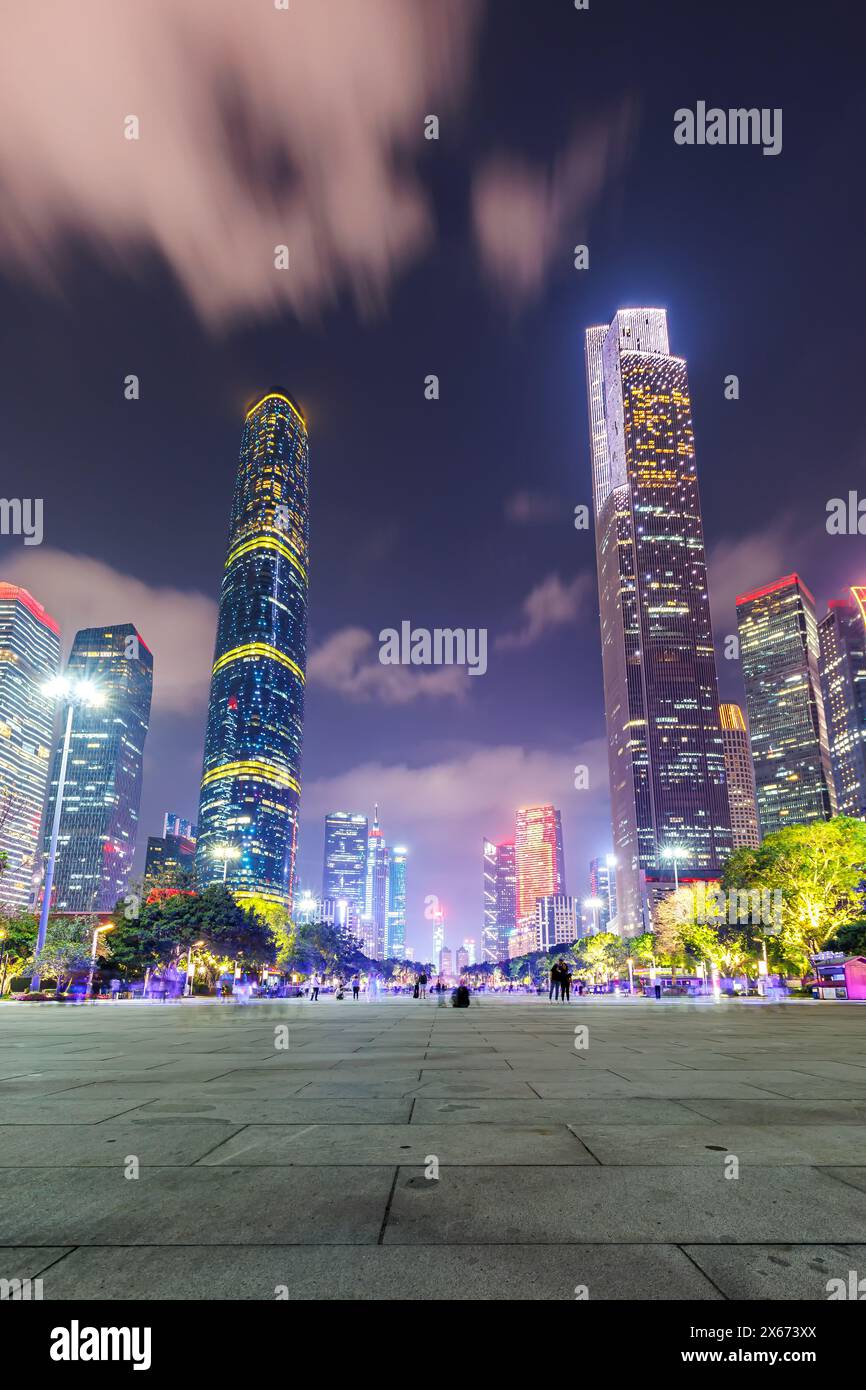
<point x="463" y="961"/>
<point x="538" y="856"/>
<point x="29" y="658"/>
<point x="469" y="948"/>
<point x="741" y="778"/>
<point x="99" y="812"/>
<point x="307" y="908"/>
<point x="168" y="854"/>
<point x="842" y="636"/>
<point x="557" y="921"/>
<point x="523" y="938"/>
<point x="506" y="897"/>
<point x="489" y="931"/>
<point x="176" y="825"/>
<point x="602" y="885"/>
<point x="396" y="929"/>
<point x="445" y="965"/>
<point x="345" y="868"/>
<point x="779" y="656"/>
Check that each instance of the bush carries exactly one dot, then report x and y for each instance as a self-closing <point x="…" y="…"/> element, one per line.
<point x="19" y="983"/>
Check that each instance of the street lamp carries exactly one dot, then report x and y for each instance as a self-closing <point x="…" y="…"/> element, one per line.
<point x="675" y="853"/>
<point x="225" y="853"/>
<point x="630" y="964"/>
<point x="88" y="695"/>
<point x="190" y="968"/>
<point x="595" y="904"/>
<point x="109" y="926"/>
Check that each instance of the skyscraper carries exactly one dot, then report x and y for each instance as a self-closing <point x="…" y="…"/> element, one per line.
<point x="177" y="825"/>
<point x="538" y="856"/>
<point x="99" y="812"/>
<point x="29" y="657"/>
<point x="779" y="655"/>
<point x="345" y="871"/>
<point x="506" y="897"/>
<point x="602" y="885"/>
<point x="842" y="638"/>
<point x="556" y="920"/>
<point x="396" y="933"/>
<point x="665" y="755"/>
<point x="251" y="786"/>
<point x="741" y="778"/>
<point x="168" y="854"/>
<point x="489" y="933"/>
<point x="376" y="902"/>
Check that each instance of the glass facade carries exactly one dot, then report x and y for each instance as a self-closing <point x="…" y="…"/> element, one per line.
<point x="396" y="938"/>
<point x="344" y="876"/>
<point x="665" y="754"/>
<point x="741" y="778"/>
<point x="489" y="934"/>
<point x="779" y="655"/>
<point x="538" y="856"/>
<point x="29" y="657"/>
<point x="376" y="901"/>
<point x="251" y="785"/>
<point x="101" y="798"/>
<point x="842" y="638"/>
<point x="602" y="885"/>
<point x="506" y="897"/>
<point x="168" y="854"/>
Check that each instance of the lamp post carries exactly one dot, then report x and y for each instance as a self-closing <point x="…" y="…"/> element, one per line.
<point x="190" y="968"/>
<point x="225" y="853"/>
<point x="74" y="692"/>
<point x="630" y="963"/>
<point x="675" y="853"/>
<point x="109" y="926"/>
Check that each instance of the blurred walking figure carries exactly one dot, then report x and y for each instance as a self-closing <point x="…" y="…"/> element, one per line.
<point x="315" y="982"/>
<point x="555" y="981"/>
<point x="356" y="986"/>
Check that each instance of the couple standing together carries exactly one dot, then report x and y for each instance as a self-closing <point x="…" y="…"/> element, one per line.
<point x="560" y="980"/>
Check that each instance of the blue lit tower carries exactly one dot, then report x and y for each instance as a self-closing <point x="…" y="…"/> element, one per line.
<point x="251" y="788"/>
<point x="395" y="943"/>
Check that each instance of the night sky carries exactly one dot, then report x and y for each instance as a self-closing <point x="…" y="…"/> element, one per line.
<point x="452" y="257"/>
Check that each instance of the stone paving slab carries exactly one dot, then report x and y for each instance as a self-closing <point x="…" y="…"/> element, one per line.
<point x="776" y="1145"/>
<point x="107" y="1145"/>
<point x="770" y="1272"/>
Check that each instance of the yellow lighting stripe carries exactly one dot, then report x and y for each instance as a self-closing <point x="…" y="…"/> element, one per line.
<point x="278" y="396"/>
<point x="254" y="650"/>
<point x="267" y="543"/>
<point x="266" y="772"/>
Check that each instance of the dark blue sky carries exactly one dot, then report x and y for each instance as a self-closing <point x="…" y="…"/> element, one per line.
<point x="759" y="263"/>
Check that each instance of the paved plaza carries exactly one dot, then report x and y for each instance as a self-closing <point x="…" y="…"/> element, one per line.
<point x="306" y="1169"/>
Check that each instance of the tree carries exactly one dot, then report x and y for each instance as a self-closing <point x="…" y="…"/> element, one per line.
<point x="166" y="927"/>
<point x="818" y="870"/>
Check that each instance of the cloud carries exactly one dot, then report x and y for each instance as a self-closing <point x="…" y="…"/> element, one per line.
<point x="526" y="218"/>
<point x="551" y="604"/>
<point x="177" y="626"/>
<point x="534" y="508"/>
<point x="346" y="663"/>
<point x="259" y="127"/>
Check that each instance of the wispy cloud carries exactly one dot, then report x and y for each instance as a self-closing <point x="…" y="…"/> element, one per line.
<point x="551" y="604"/>
<point x="348" y="663"/>
<point x="534" y="508"/>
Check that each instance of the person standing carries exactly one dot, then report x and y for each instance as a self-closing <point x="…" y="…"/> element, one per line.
<point x="565" y="982"/>
<point x="315" y="982"/>
<point x="356" y="986"/>
<point x="422" y="984"/>
<point x="554" y="981"/>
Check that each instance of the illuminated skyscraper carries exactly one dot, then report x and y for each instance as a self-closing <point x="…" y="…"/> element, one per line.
<point x="506" y="897"/>
<point x="842" y="636"/>
<point x="489" y="934"/>
<point x="168" y="854"/>
<point x="251" y="785"/>
<point x="538" y="856"/>
<point x="741" y="778"/>
<point x="102" y="794"/>
<point x="29" y="657"/>
<point x="779" y="655"/>
<point x="602" y="885"/>
<point x="396" y="933"/>
<point x="556" y="921"/>
<point x="345" y="870"/>
<point x="376" y="901"/>
<point x="665" y="755"/>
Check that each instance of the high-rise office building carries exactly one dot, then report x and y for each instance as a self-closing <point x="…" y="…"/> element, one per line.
<point x="469" y="948"/>
<point x="102" y="793"/>
<point x="168" y="855"/>
<point x="376" y="897"/>
<point x="445" y="962"/>
<point x="779" y="655"/>
<point x="396" y="933"/>
<point x="842" y="638"/>
<point x="602" y="885"/>
<point x="506" y="897"/>
<point x="461" y="959"/>
<point x="176" y="825"/>
<point x="741" y="778"/>
<point x="557" y="921"/>
<point x="345" y="870"/>
<point x="251" y="786"/>
<point x="489" y="932"/>
<point x="665" y="755"/>
<point x="538" y="856"/>
<point x="29" y="658"/>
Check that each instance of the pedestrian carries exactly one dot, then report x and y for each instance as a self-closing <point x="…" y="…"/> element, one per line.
<point x="417" y="990"/>
<point x="555" y="980"/>
<point x="356" y="986"/>
<point x="565" y="982"/>
<point x="422" y="984"/>
<point x="339" y="990"/>
<point x="314" y="988"/>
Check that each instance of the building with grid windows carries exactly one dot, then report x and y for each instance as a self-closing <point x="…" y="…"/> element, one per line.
<point x="538" y="856"/>
<point x="102" y="792"/>
<point x="345" y="870"/>
<point x="741" y="778"/>
<point x="665" y="754"/>
<point x="506" y="897"/>
<point x="251" y="780"/>
<point x="29" y="658"/>
<point x="842" y="640"/>
<point x="779" y="656"/>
